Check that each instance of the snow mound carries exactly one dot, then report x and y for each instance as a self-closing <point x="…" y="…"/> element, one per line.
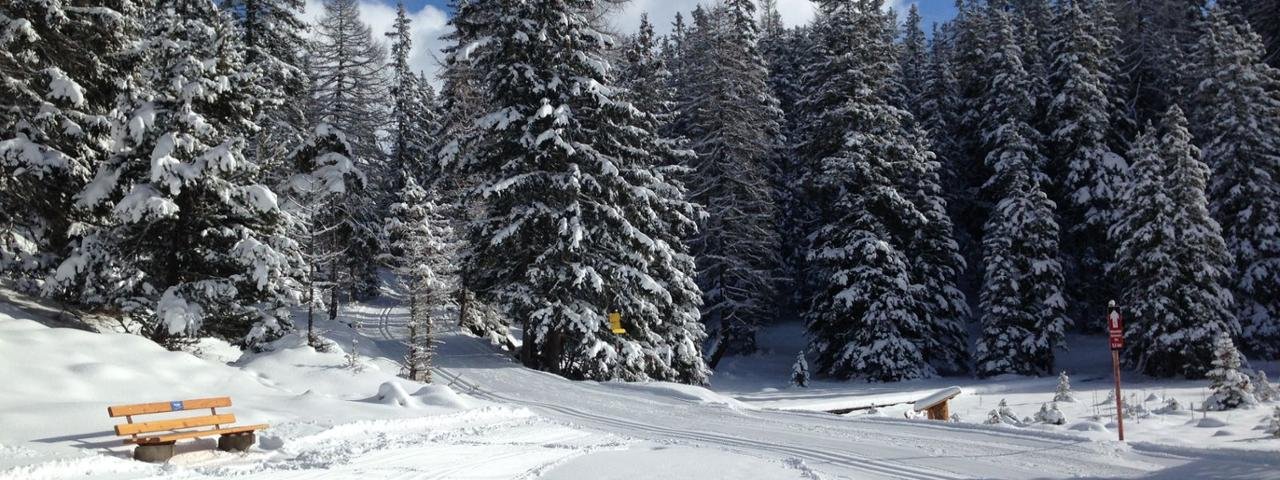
<point x="1087" y="426"/>
<point x="1210" y="422"/>
<point x="441" y="395"/>
<point x="683" y="392"/>
<point x="391" y="393"/>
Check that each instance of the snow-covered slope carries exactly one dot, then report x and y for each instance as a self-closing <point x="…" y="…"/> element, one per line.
<point x="488" y="418"/>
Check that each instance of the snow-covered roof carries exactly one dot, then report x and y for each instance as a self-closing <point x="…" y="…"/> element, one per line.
<point x="936" y="397"/>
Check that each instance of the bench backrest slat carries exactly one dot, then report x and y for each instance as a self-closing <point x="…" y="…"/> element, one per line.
<point x="164" y="425"/>
<point x="162" y="407"/>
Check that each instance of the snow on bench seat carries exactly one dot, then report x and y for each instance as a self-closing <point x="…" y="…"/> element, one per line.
<point x="936" y="397"/>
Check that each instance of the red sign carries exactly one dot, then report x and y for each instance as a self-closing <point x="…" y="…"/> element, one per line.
<point x="1115" y="324"/>
<point x="1115" y="327"/>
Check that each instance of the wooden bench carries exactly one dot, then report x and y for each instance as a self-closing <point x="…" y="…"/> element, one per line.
<point x="155" y="439"/>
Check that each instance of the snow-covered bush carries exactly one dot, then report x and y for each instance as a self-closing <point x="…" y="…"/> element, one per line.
<point x="1170" y="406"/>
<point x="1050" y="414"/>
<point x="1263" y="390"/>
<point x="1231" y="387"/>
<point x="1275" y="423"/>
<point x="1002" y="414"/>
<point x="800" y="371"/>
<point x="1064" y="393"/>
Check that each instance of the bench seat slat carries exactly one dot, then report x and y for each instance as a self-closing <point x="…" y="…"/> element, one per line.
<point x="177" y="423"/>
<point x="197" y="434"/>
<point x="162" y="407"/>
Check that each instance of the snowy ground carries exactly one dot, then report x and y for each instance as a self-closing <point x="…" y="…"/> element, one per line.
<point x="762" y="381"/>
<point x="509" y="422"/>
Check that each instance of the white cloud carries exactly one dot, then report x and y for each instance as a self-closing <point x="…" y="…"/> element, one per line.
<point x="428" y="24"/>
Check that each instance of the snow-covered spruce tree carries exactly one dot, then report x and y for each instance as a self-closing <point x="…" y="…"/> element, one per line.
<point x="1079" y="122"/>
<point x="878" y="247"/>
<point x="733" y="123"/>
<point x="273" y="34"/>
<point x="1063" y="393"/>
<point x="581" y="215"/>
<point x="413" y="111"/>
<point x="424" y="263"/>
<point x="800" y="371"/>
<point x="1238" y="124"/>
<point x="462" y="102"/>
<point x="1171" y="256"/>
<point x="1022" y="304"/>
<point x="196" y="246"/>
<point x="1231" y="387"/>
<point x="61" y="66"/>
<point x="350" y="92"/>
<point x="326" y="201"/>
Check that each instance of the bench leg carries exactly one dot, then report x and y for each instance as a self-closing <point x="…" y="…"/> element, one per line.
<point x="154" y="452"/>
<point x="237" y="442"/>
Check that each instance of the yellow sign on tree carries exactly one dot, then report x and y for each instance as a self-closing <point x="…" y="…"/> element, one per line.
<point x="615" y="323"/>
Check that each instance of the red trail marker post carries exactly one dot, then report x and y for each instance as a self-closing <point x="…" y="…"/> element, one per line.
<point x="1115" y="330"/>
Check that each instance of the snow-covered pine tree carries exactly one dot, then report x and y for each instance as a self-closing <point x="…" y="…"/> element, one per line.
<point x="1238" y="124"/>
<point x="733" y="123"/>
<point x="1079" y="122"/>
<point x="790" y="53"/>
<point x="350" y="92"/>
<point x="913" y="63"/>
<point x="1264" y="17"/>
<point x="1063" y="393"/>
<point x="936" y="264"/>
<point x="196" y="246"/>
<point x="413" y="111"/>
<point x="1231" y="387"/>
<point x="887" y="237"/>
<point x="61" y="66"/>
<point x="582" y="216"/>
<point x="424" y="263"/>
<point x="1263" y="389"/>
<point x="325" y="200"/>
<point x="1157" y="39"/>
<point x="800" y="371"/>
<point x="645" y="74"/>
<point x="1033" y="22"/>
<point x="966" y="43"/>
<point x="462" y="102"/>
<point x="1171" y="256"/>
<point x="940" y="110"/>
<point x="273" y="34"/>
<point x="1022" y="304"/>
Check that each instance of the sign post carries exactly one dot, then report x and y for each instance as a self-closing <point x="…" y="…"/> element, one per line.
<point x="1115" y="331"/>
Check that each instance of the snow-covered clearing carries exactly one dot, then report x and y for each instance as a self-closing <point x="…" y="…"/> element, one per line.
<point x="505" y="421"/>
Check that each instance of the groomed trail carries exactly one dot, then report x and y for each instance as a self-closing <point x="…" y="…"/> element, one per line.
<point x="820" y="445"/>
